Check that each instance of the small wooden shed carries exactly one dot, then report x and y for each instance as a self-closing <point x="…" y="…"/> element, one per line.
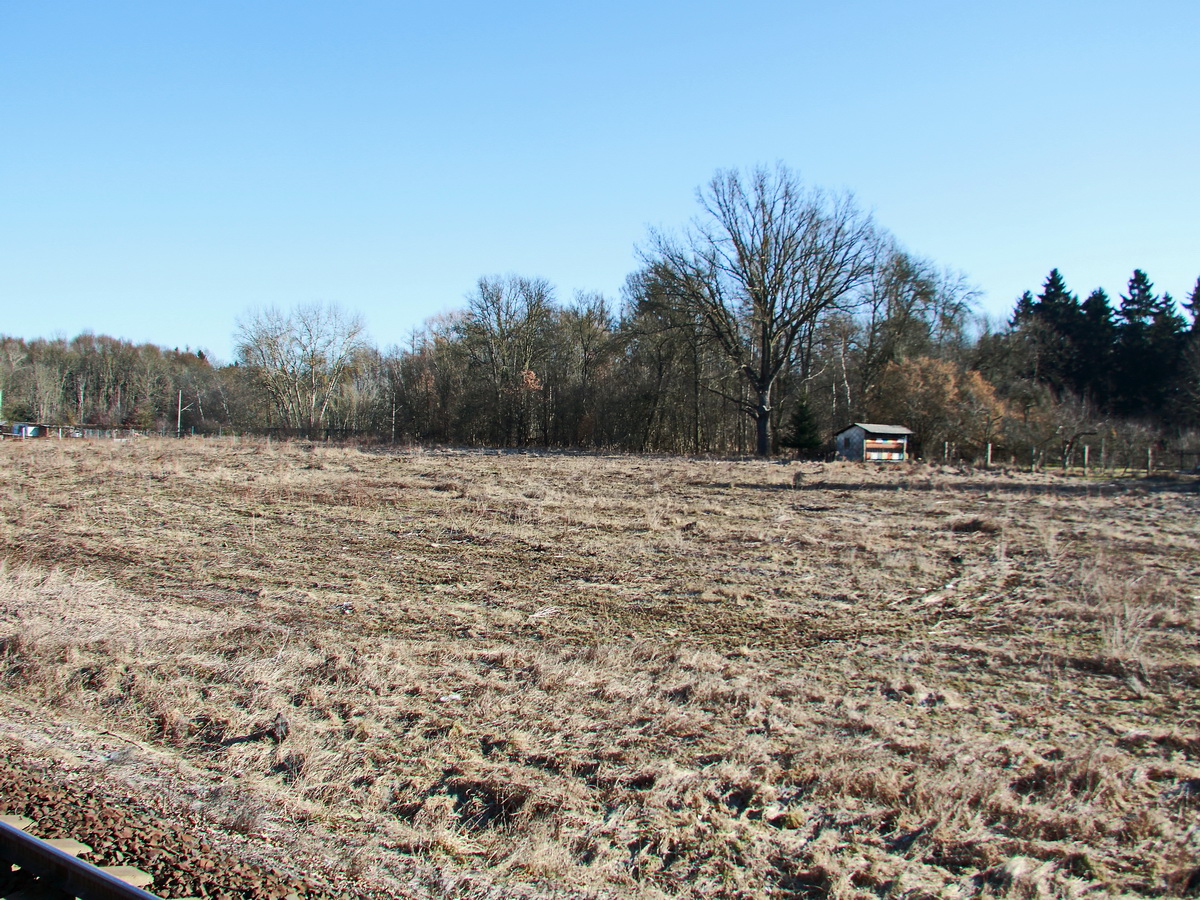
<point x="25" y="430"/>
<point x="866" y="442"/>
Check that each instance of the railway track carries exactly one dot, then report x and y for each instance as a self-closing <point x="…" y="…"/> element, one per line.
<point x="175" y="846"/>
<point x="53" y="868"/>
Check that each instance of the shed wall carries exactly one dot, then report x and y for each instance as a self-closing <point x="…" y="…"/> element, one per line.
<point x="850" y="443"/>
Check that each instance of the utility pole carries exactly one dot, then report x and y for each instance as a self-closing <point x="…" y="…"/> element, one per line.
<point x="179" y="416"/>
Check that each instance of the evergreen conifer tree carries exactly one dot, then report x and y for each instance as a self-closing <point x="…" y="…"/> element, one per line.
<point x="1138" y="305"/>
<point x="1058" y="310"/>
<point x="1095" y="343"/>
<point x="1023" y="311"/>
<point x="1056" y="304"/>
<point x="1148" y="349"/>
<point x="803" y="434"/>
<point x="1192" y="305"/>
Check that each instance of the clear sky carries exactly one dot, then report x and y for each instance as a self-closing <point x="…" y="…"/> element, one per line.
<point x="166" y="166"/>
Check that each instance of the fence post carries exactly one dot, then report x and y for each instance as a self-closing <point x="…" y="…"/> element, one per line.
<point x="989" y="457"/>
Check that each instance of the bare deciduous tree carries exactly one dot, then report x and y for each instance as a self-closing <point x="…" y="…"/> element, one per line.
<point x="765" y="259"/>
<point x="505" y="328"/>
<point x="300" y="358"/>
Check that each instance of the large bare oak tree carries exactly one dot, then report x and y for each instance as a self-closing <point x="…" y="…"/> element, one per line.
<point x="300" y="358"/>
<point x="764" y="259"/>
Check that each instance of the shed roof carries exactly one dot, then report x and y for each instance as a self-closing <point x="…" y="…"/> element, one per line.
<point x="877" y="429"/>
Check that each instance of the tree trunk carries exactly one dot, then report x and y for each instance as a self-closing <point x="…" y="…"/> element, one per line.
<point x="762" y="423"/>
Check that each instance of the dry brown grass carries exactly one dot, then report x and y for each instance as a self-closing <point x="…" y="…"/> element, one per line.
<point x="630" y="676"/>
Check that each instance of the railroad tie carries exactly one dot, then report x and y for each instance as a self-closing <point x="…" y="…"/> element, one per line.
<point x="130" y="875"/>
<point x="69" y="845"/>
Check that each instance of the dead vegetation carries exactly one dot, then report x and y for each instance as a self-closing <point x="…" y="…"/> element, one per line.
<point x="630" y="676"/>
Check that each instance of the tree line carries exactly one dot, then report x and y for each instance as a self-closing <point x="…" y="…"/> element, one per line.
<point x="778" y="315"/>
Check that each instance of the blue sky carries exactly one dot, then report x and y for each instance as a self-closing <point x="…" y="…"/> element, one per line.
<point x="165" y="167"/>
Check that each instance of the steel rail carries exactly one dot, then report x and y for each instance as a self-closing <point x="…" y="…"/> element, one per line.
<point x="63" y="871"/>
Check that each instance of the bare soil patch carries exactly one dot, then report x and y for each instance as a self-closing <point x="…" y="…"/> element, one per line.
<point x="615" y="676"/>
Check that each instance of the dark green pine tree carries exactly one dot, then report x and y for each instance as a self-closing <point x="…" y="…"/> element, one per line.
<point x="1168" y="334"/>
<point x="1021" y="356"/>
<point x="1096" y="342"/>
<point x="1192" y="305"/>
<point x="1149" y="348"/>
<point x="1058" y="309"/>
<point x="1165" y="315"/>
<point x="1043" y="332"/>
<point x="803" y="433"/>
<point x="1133" y="365"/>
<point x="1056" y="304"/>
<point x="1167" y="329"/>
<point x="1023" y="311"/>
<point x="1138" y="305"/>
<point x="1187" y="385"/>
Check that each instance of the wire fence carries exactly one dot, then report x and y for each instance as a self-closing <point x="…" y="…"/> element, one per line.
<point x="1101" y="458"/>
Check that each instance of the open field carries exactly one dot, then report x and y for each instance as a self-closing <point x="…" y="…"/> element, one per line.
<point x="537" y="675"/>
